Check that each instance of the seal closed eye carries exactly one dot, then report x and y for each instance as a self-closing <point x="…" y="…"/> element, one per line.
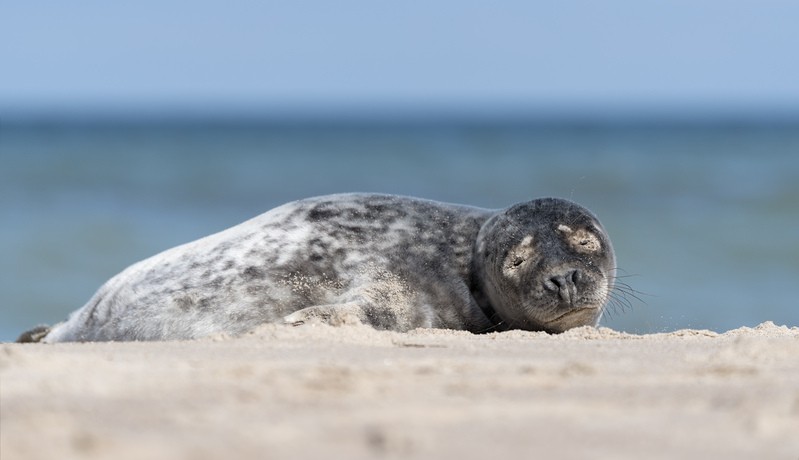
<point x="392" y="262"/>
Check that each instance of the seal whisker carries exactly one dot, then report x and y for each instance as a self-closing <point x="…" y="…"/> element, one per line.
<point x="493" y="328"/>
<point x="616" y="275"/>
<point x="626" y="290"/>
<point x="619" y="305"/>
<point x="621" y="297"/>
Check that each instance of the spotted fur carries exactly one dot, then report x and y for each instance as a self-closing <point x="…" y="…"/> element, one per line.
<point x="392" y="262"/>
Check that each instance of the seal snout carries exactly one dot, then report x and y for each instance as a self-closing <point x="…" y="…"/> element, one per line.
<point x="564" y="284"/>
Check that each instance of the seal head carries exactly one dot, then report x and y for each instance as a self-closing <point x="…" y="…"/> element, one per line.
<point x="544" y="265"/>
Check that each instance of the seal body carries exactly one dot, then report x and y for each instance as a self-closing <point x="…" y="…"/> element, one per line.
<point x="392" y="262"/>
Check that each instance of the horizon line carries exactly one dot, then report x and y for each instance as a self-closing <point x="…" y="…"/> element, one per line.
<point x="408" y="115"/>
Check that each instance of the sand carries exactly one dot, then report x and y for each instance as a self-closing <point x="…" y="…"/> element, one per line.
<point x="352" y="392"/>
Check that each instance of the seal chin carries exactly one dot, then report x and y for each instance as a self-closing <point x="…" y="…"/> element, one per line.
<point x="574" y="317"/>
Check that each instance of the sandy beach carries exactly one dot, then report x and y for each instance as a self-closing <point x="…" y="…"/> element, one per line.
<point x="353" y="392"/>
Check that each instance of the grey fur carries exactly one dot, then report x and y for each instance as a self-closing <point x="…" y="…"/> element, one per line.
<point x="392" y="262"/>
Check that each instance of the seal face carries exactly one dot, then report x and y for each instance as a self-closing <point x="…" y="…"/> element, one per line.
<point x="545" y="265"/>
<point x="392" y="262"/>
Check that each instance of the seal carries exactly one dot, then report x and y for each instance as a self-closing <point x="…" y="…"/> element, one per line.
<point x="392" y="262"/>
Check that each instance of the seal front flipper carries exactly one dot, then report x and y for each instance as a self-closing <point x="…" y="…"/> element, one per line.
<point x="392" y="317"/>
<point x="336" y="314"/>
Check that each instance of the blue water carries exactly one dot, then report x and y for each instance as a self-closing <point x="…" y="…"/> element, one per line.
<point x="704" y="218"/>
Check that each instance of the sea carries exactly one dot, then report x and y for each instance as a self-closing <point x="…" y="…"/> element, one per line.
<point x="704" y="216"/>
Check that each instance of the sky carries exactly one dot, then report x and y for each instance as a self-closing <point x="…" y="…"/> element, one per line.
<point x="313" y="56"/>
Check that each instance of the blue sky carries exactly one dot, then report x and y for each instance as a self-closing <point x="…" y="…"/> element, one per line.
<point x="199" y="56"/>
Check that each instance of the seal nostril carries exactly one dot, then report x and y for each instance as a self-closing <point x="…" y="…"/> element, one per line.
<point x="564" y="285"/>
<point x="555" y="283"/>
<point x="558" y="282"/>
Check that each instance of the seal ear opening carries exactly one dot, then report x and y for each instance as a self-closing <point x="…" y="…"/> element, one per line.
<point x="34" y="335"/>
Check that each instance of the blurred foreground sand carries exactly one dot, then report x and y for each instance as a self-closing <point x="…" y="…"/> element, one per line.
<point x="352" y="392"/>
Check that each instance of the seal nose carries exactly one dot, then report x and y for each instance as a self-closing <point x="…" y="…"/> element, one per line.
<point x="564" y="285"/>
